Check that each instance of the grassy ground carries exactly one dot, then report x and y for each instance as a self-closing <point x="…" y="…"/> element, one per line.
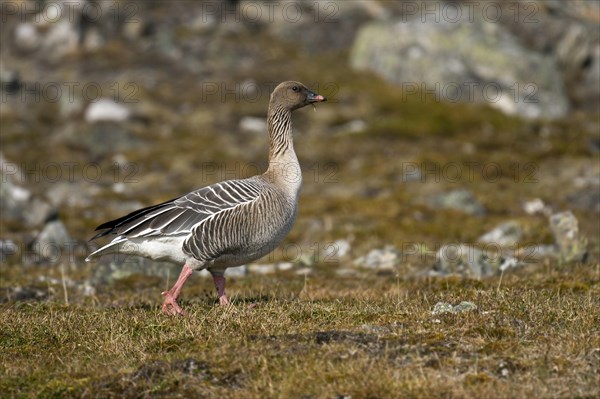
<point x="534" y="334"/>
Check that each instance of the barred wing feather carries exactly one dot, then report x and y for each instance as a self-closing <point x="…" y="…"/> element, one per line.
<point x="180" y="215"/>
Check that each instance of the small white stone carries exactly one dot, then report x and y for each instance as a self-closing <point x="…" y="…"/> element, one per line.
<point x="305" y="271"/>
<point x="87" y="289"/>
<point x="204" y="273"/>
<point x="62" y="38"/>
<point x="354" y="126"/>
<point x="381" y="259"/>
<point x="509" y="263"/>
<point x="261" y="269"/>
<point x="283" y="266"/>
<point x="346" y="272"/>
<point x="119" y="187"/>
<point x="534" y="206"/>
<point x="239" y="271"/>
<point x="106" y="109"/>
<point x="505" y="234"/>
<point x="338" y="249"/>
<point x="252" y="124"/>
<point x="26" y="37"/>
<point x="20" y="194"/>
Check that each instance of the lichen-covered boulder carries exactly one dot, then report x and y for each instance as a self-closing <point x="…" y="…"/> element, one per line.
<point x="468" y="60"/>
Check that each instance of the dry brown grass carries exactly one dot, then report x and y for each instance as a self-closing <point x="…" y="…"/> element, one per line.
<point x="537" y="335"/>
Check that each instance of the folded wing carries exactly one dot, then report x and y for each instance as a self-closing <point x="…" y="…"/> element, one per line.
<point x="180" y="215"/>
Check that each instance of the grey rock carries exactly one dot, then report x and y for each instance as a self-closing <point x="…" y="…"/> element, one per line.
<point x="106" y="110"/>
<point x="57" y="281"/>
<point x="535" y="206"/>
<point x="320" y="26"/>
<point x="204" y="274"/>
<point x="460" y="200"/>
<point x="252" y="124"/>
<point x="509" y="263"/>
<point x="379" y="259"/>
<point x="115" y="267"/>
<point x="464" y="306"/>
<point x="504" y="368"/>
<point x="61" y="39"/>
<point x="464" y="60"/>
<point x="305" y="271"/>
<point x="571" y="245"/>
<point x="166" y="43"/>
<point x="472" y="262"/>
<point x="411" y="173"/>
<point x="7" y="249"/>
<point x="342" y="248"/>
<point x="70" y="194"/>
<point x="86" y="289"/>
<point x="334" y="252"/>
<point x="26" y="37"/>
<point x="13" y="200"/>
<point x="442" y="307"/>
<point x="17" y="202"/>
<point x="100" y="138"/>
<point x="10" y="83"/>
<point x="54" y="232"/>
<point x="21" y="294"/>
<point x="354" y="126"/>
<point x="545" y="251"/>
<point x="38" y="212"/>
<point x="239" y="271"/>
<point x="375" y="329"/>
<point x="70" y="107"/>
<point x="535" y="252"/>
<point x="594" y="145"/>
<point x="52" y="242"/>
<point x="346" y="271"/>
<point x="93" y="40"/>
<point x="586" y="199"/>
<point x="445" y="307"/>
<point x="568" y="31"/>
<point x="283" y="266"/>
<point x="306" y="259"/>
<point x="269" y="268"/>
<point x="201" y="23"/>
<point x="505" y="234"/>
<point x="262" y="269"/>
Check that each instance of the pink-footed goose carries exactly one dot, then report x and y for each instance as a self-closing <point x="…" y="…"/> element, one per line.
<point x="226" y="224"/>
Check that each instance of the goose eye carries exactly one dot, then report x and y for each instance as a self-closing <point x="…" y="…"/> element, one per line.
<point x="295" y="88"/>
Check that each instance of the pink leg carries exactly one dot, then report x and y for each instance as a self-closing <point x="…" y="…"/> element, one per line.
<point x="219" y="281"/>
<point x="170" y="305"/>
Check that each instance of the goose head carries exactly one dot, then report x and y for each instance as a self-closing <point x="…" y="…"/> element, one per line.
<point x="293" y="95"/>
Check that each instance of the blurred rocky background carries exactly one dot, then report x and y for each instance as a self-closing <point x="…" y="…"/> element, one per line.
<point x="459" y="138"/>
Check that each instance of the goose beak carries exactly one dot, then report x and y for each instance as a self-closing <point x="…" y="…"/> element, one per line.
<point x="315" y="98"/>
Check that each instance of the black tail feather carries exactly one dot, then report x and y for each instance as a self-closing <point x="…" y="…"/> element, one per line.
<point x="110" y="226"/>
